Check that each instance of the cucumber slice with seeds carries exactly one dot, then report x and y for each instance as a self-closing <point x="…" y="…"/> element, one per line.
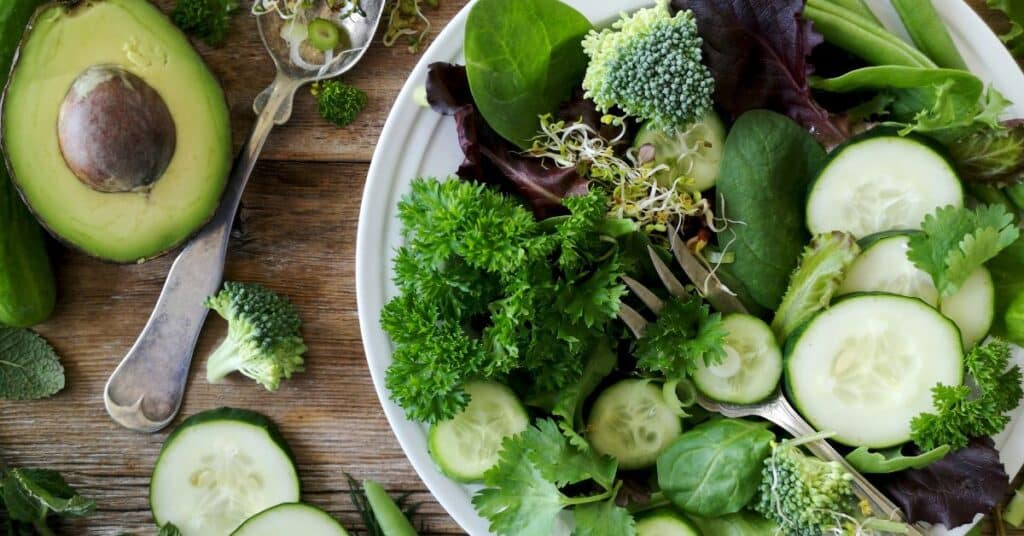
<point x="291" y="518"/>
<point x="753" y="366"/>
<point x="219" y="468"/>
<point x="465" y="447"/>
<point x="323" y="34"/>
<point x="665" y="522"/>
<point x="883" y="266"/>
<point x="633" y="422"/>
<point x="865" y="367"/>
<point x="880" y="181"/>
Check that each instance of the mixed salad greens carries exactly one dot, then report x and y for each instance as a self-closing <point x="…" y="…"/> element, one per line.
<point x="859" y="195"/>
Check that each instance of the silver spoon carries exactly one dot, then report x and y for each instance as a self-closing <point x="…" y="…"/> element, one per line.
<point x="144" y="393"/>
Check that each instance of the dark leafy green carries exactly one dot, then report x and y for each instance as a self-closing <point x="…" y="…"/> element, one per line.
<point x="715" y="468"/>
<point x="1006" y="270"/>
<point x="523" y="59"/>
<point x="953" y="490"/>
<point x="769" y="162"/>
<point x="1014" y="11"/>
<point x="29" y="368"/>
<point x="30" y="496"/>
<point x="757" y="51"/>
<point x="991" y="155"/>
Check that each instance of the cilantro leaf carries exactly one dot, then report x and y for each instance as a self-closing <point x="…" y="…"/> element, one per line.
<point x="962" y="413"/>
<point x="30" y="495"/>
<point x="957" y="241"/>
<point x="523" y="496"/>
<point x="1014" y="38"/>
<point x="603" y="519"/>
<point x="29" y="368"/>
<point x="686" y="334"/>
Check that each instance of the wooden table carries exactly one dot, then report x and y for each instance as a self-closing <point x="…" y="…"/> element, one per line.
<point x="298" y="237"/>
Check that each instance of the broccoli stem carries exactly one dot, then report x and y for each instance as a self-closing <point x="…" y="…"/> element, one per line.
<point x="223" y="361"/>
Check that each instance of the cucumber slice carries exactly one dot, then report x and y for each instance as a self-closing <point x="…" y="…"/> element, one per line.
<point x="866" y="366"/>
<point x="973" y="307"/>
<point x="465" y="447"/>
<point x="881" y="181"/>
<point x="323" y="34"/>
<point x="884" y="267"/>
<point x="219" y="468"/>
<point x="694" y="152"/>
<point x="291" y="518"/>
<point x="665" y="522"/>
<point x="633" y="422"/>
<point x="752" y="368"/>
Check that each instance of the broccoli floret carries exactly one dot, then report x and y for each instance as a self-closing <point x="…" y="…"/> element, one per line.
<point x="338" y="102"/>
<point x="263" y="339"/>
<point x="804" y="495"/>
<point x="208" y="20"/>
<point x="649" y="65"/>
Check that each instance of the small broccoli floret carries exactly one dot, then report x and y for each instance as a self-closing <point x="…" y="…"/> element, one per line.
<point x="649" y="65"/>
<point x="339" y="102"/>
<point x="263" y="339"/>
<point x="208" y="20"/>
<point x="804" y="495"/>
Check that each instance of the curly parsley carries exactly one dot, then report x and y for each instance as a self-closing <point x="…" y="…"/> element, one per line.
<point x="686" y="334"/>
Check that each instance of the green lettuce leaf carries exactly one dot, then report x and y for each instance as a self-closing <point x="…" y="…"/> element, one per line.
<point x="892" y="460"/>
<point x="1014" y="10"/>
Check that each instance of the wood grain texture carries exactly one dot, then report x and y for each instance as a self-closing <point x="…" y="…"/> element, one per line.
<point x="298" y="237"/>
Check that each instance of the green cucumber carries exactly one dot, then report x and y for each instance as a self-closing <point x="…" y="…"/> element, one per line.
<point x="883" y="266"/>
<point x="866" y="366"/>
<point x="752" y="367"/>
<point x="219" y="468"/>
<point x="665" y="522"/>
<point x="881" y="181"/>
<point x="465" y="447"/>
<point x="694" y="153"/>
<point x="28" y="290"/>
<point x="323" y="34"/>
<point x="633" y="422"/>
<point x="291" y="518"/>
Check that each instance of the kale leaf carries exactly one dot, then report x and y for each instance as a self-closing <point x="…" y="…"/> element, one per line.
<point x="29" y="368"/>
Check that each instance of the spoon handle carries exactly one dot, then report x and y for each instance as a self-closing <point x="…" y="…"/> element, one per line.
<point x="145" y="391"/>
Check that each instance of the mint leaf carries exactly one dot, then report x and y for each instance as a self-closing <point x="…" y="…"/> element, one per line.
<point x="603" y="519"/>
<point x="957" y="241"/>
<point x="29" y="368"/>
<point x="30" y="495"/>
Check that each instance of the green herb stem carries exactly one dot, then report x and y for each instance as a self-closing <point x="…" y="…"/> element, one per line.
<point x="658" y="500"/>
<point x="608" y="494"/>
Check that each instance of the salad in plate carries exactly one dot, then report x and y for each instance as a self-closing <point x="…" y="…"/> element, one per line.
<point x="855" y="195"/>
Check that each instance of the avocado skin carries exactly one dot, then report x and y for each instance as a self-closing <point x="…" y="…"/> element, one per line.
<point x="28" y="290"/>
<point x="223" y="141"/>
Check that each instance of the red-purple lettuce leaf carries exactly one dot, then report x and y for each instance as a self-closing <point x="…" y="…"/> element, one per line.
<point x="758" y="52"/>
<point x="491" y="159"/>
<point x="952" y="490"/>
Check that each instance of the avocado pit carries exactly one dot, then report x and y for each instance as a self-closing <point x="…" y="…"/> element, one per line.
<point x="116" y="133"/>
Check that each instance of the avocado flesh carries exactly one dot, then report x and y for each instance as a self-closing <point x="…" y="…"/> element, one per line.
<point x="131" y="34"/>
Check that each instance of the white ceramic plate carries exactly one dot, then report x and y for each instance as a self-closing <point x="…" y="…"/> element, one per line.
<point x="418" y="142"/>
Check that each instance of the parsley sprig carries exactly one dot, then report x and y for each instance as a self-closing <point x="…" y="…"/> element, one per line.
<point x="487" y="291"/>
<point x="963" y="411"/>
<point x="686" y="335"/>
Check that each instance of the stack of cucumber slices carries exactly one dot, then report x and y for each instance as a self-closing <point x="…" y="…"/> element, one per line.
<point x="230" y="471"/>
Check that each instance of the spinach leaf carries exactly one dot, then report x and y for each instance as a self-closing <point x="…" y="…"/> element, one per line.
<point x="743" y="523"/>
<point x="892" y="460"/>
<point x="523" y="59"/>
<point x="715" y="468"/>
<point x="768" y="163"/>
<point x="1006" y="270"/>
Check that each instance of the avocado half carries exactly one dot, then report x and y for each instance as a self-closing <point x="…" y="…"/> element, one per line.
<point x="115" y="132"/>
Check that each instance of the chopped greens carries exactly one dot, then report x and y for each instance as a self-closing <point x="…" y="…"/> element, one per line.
<point x="963" y="413"/>
<point x="338" y="102"/>
<point x="208" y="20"/>
<point x="956" y="241"/>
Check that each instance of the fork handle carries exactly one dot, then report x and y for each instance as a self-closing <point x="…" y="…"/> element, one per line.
<point x="783" y="414"/>
<point x="144" y="393"/>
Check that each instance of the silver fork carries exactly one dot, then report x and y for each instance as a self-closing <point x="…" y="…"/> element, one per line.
<point x="145" y="391"/>
<point x="776" y="409"/>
